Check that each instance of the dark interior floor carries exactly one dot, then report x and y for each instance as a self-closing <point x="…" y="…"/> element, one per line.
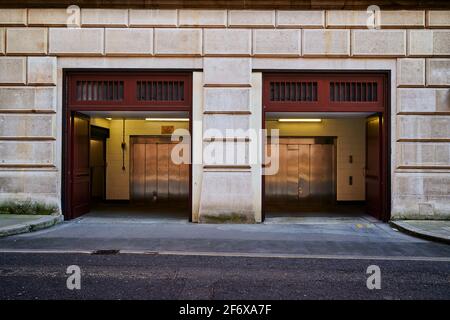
<point x="130" y="210"/>
<point x="175" y="211"/>
<point x="295" y="209"/>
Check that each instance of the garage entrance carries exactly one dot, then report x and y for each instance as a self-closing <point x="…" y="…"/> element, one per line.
<point x="127" y="145"/>
<point x="332" y="149"/>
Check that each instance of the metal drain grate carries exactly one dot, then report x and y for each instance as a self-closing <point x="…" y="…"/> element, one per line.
<point x="106" y="252"/>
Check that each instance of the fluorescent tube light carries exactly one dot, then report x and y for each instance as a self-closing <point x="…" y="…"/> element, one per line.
<point x="167" y="119"/>
<point x="300" y="120"/>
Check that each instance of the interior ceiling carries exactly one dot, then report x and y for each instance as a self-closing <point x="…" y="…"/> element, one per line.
<point x="320" y="115"/>
<point x="181" y="114"/>
<point x="136" y="114"/>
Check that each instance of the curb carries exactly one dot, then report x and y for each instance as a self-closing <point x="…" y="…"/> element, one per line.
<point x="42" y="223"/>
<point x="413" y="231"/>
<point x="224" y="254"/>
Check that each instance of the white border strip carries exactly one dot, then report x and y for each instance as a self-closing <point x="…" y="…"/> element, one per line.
<point x="237" y="255"/>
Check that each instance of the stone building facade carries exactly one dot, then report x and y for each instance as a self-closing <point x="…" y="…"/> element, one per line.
<point x="228" y="51"/>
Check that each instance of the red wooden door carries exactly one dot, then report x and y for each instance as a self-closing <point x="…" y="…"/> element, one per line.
<point x="373" y="166"/>
<point x="80" y="175"/>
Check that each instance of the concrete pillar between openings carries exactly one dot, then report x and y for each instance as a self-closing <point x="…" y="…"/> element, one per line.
<point x="230" y="188"/>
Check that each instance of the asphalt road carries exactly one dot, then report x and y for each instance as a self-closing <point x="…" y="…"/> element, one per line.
<point x="137" y="276"/>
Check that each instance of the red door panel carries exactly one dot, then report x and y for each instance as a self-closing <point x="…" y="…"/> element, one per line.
<point x="373" y="166"/>
<point x="80" y="183"/>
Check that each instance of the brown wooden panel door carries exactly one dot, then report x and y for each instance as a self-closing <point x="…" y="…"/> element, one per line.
<point x="373" y="166"/>
<point x="80" y="182"/>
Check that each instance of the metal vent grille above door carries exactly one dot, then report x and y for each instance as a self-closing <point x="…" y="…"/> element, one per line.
<point x="324" y="92"/>
<point x="160" y="90"/>
<point x="99" y="90"/>
<point x="132" y="91"/>
<point x="354" y="91"/>
<point x="293" y="91"/>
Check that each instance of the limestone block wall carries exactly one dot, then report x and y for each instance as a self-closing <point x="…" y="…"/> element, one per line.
<point x="228" y="45"/>
<point x="28" y="129"/>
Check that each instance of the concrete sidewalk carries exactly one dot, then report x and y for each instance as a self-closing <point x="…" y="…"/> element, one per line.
<point x="351" y="237"/>
<point x="436" y="230"/>
<point x="11" y="224"/>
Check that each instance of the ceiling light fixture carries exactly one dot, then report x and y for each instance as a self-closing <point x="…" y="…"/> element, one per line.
<point x="300" y="120"/>
<point x="167" y="119"/>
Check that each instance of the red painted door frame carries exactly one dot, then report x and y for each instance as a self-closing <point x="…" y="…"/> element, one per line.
<point x="70" y="105"/>
<point x="323" y="104"/>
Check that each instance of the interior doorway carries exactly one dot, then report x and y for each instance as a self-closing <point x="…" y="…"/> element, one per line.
<point x="155" y="179"/>
<point x="97" y="162"/>
<point x="127" y="146"/>
<point x="332" y="145"/>
<point x="306" y="178"/>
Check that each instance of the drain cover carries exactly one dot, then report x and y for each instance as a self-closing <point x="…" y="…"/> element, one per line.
<point x="106" y="252"/>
